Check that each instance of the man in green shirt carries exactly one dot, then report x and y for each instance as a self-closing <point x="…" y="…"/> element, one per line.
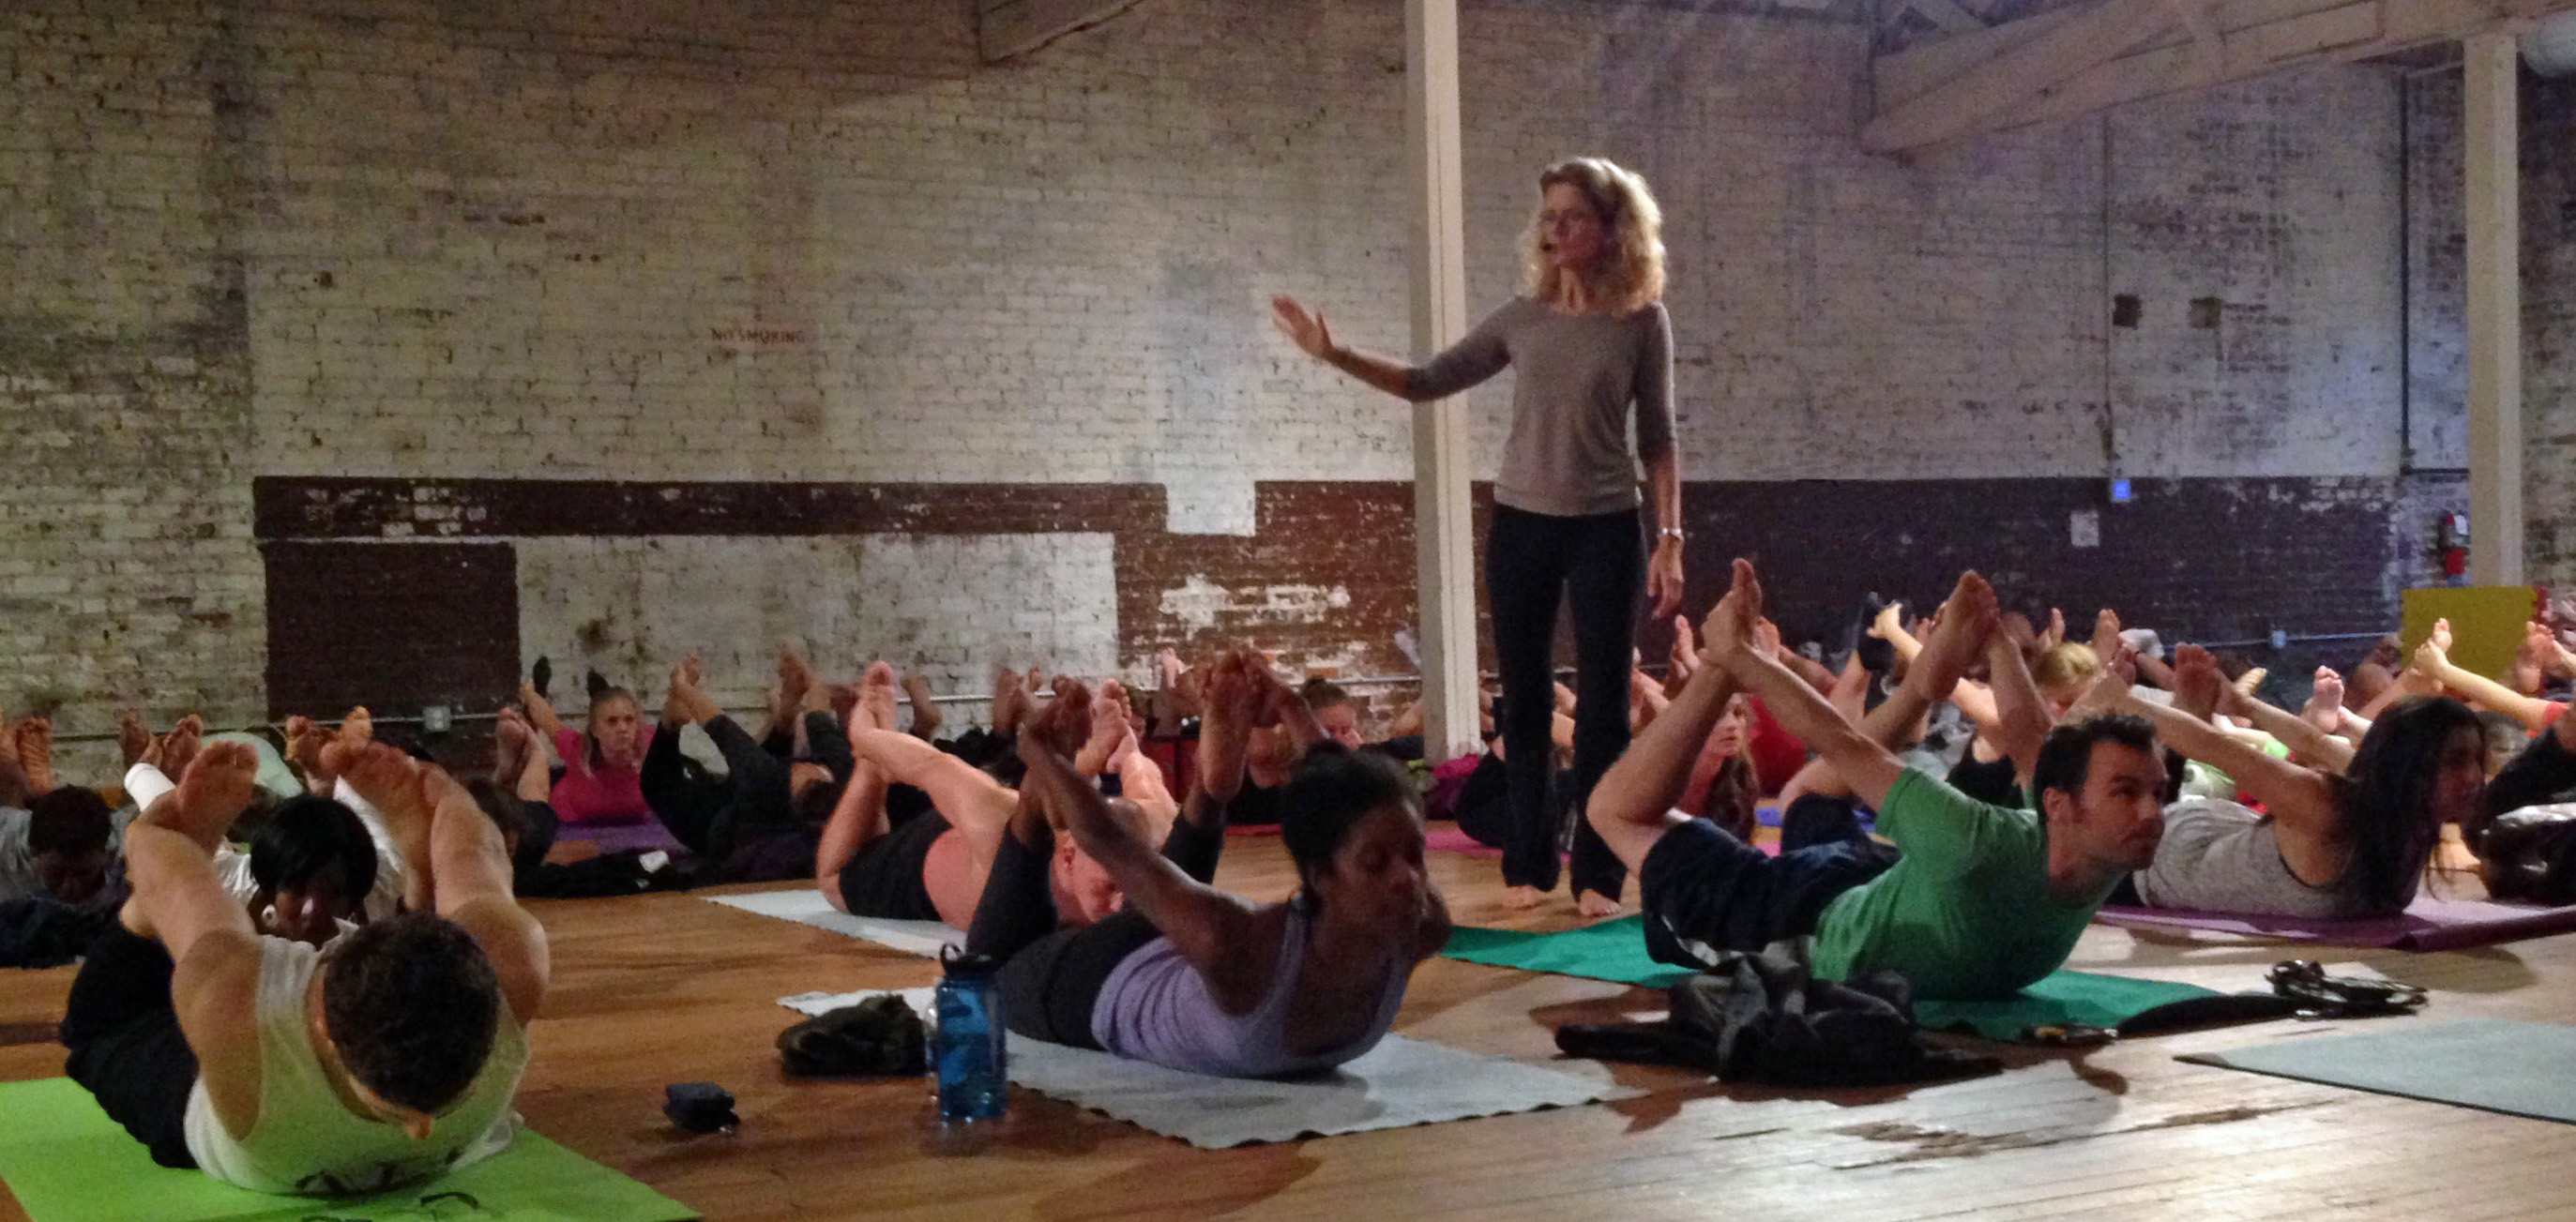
<point x="1979" y="901"/>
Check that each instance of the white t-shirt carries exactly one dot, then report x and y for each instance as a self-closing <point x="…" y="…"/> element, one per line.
<point x="307" y="1142"/>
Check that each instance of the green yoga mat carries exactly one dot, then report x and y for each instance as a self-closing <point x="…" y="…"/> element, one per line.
<point x="67" y="1162"/>
<point x="1616" y="951"/>
<point x="2495" y="1065"/>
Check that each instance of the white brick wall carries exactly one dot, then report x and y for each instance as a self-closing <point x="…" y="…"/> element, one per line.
<point x="723" y="241"/>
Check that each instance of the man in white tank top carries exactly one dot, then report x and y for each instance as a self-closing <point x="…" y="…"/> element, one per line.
<point x="281" y="1069"/>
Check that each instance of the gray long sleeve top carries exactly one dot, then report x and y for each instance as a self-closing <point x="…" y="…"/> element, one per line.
<point x="1576" y="374"/>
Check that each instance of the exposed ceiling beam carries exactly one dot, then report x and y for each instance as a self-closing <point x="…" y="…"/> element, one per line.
<point x="1964" y="103"/>
<point x="2064" y="64"/>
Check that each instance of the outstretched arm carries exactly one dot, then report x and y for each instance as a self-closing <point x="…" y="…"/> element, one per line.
<point x="2433" y="660"/>
<point x="1632" y="806"/>
<point x="2297" y="797"/>
<point x="1868" y="767"/>
<point x="1211" y="929"/>
<point x="1473" y="359"/>
<point x="2021" y="721"/>
<point x="216" y="954"/>
<point x="467" y="866"/>
<point x="2300" y="735"/>
<point x="541" y="712"/>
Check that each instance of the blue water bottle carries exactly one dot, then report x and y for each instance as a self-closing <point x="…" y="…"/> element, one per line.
<point x="974" y="1079"/>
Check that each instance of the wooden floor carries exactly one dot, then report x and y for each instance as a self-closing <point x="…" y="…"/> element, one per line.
<point x="665" y="989"/>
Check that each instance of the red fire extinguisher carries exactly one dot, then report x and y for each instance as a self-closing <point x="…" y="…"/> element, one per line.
<point x="2451" y="538"/>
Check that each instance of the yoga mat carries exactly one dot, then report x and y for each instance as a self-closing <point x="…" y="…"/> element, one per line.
<point x="924" y="938"/>
<point x="614" y="838"/>
<point x="1400" y="1083"/>
<point x="1616" y="951"/>
<point x="2427" y="924"/>
<point x="67" y="1162"/>
<point x="1451" y="840"/>
<point x="2520" y="1069"/>
<point x="1609" y="950"/>
<point x="2064" y="998"/>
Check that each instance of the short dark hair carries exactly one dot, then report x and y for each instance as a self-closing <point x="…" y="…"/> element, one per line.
<point x="1322" y="693"/>
<point x="307" y="835"/>
<point x="412" y="1007"/>
<point x="70" y="820"/>
<point x="2066" y="756"/>
<point x="1332" y="787"/>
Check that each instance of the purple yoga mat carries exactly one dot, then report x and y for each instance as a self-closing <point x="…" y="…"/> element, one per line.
<point x="2427" y="924"/>
<point x="614" y="838"/>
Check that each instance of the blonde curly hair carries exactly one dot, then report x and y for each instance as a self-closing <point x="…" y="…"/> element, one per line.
<point x="1633" y="277"/>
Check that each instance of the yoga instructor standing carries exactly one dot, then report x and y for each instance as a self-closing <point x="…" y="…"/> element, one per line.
<point x="1586" y="340"/>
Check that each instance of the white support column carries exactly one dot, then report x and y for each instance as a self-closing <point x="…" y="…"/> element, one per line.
<point x="1445" y="551"/>
<point x="2492" y="124"/>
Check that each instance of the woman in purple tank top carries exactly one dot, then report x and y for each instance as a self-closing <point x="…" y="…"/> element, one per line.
<point x="1186" y="975"/>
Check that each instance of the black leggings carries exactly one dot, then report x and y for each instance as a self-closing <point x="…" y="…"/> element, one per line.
<point x="1051" y="978"/>
<point x="1533" y="561"/>
<point x="126" y="1048"/>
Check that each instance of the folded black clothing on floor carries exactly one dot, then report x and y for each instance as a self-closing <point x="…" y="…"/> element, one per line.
<point x="1765" y="1019"/>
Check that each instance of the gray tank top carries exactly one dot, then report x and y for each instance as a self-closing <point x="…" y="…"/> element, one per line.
<point x="2217" y="856"/>
<point x="1156" y="1007"/>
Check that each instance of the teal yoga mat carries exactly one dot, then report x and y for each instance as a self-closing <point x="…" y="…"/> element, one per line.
<point x="67" y="1162"/>
<point x="2495" y="1065"/>
<point x="1616" y="951"/>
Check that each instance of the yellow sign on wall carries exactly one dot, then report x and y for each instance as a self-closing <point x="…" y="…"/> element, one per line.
<point x="2486" y="622"/>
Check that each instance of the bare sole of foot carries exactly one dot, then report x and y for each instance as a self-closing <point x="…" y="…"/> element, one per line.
<point x="925" y="709"/>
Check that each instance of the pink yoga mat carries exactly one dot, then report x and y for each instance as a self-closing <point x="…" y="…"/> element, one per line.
<point x="2427" y="924"/>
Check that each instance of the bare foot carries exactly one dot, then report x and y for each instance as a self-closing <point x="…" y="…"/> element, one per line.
<point x="1065" y="723"/>
<point x="794" y="677"/>
<point x="2325" y="704"/>
<point x="132" y="737"/>
<point x="304" y="742"/>
<point x="1108" y="725"/>
<point x="2198" y="687"/>
<point x="511" y="740"/>
<point x="1010" y="700"/>
<point x="925" y="709"/>
<point x="2531" y="659"/>
<point x="35" y="737"/>
<point x="179" y="746"/>
<point x="1595" y="904"/>
<point x="845" y="702"/>
<point x="1522" y="899"/>
<point x="213" y="792"/>
<point x="358" y="728"/>
<point x="389" y="780"/>
<point x="675" y="700"/>
<point x="876" y="696"/>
